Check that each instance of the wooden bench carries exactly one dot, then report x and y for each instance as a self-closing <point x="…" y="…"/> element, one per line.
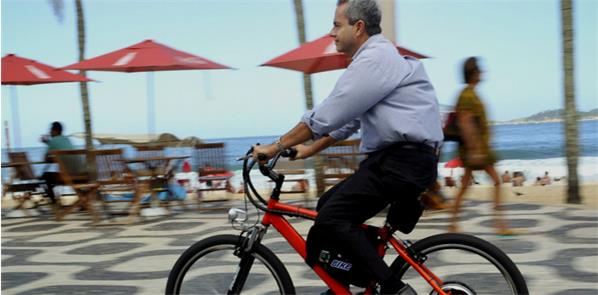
<point x="117" y="183"/>
<point x="23" y="184"/>
<point x="74" y="171"/>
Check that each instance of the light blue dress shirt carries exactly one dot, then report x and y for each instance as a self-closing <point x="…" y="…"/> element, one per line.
<point x="388" y="96"/>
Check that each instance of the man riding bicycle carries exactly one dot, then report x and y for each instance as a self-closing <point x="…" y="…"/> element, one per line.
<point x="390" y="98"/>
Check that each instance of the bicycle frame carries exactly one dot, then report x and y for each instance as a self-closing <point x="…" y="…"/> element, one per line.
<point x="247" y="249"/>
<point x="275" y="212"/>
<point x="279" y="222"/>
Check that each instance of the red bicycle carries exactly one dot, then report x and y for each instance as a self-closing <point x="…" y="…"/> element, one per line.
<point x="234" y="264"/>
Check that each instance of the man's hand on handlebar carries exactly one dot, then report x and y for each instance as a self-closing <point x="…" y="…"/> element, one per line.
<point x="303" y="152"/>
<point x="268" y="150"/>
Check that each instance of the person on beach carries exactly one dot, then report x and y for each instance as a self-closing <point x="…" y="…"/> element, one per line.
<point x="518" y="178"/>
<point x="506" y="177"/>
<point x="538" y="181"/>
<point x="391" y="99"/>
<point x="449" y="181"/>
<point x="55" y="141"/>
<point x="546" y="179"/>
<point x="475" y="151"/>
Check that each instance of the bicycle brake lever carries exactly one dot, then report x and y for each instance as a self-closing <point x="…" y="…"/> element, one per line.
<point x="244" y="158"/>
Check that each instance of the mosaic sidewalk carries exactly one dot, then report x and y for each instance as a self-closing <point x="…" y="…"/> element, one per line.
<point x="558" y="254"/>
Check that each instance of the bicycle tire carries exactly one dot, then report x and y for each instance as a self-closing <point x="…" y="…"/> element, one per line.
<point x="226" y="244"/>
<point x="465" y="243"/>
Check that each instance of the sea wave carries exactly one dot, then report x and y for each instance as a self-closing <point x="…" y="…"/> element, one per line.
<point x="556" y="167"/>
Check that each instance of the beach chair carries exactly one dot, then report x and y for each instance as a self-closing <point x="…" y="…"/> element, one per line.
<point x="209" y="160"/>
<point x="157" y="171"/>
<point x="117" y="183"/>
<point x="74" y="171"/>
<point x="340" y="161"/>
<point x="151" y="167"/>
<point x="23" y="183"/>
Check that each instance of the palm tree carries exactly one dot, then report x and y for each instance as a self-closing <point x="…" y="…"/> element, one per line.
<point x="309" y="103"/>
<point x="58" y="7"/>
<point x="571" y="116"/>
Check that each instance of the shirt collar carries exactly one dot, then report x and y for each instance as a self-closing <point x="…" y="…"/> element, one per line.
<point x="371" y="39"/>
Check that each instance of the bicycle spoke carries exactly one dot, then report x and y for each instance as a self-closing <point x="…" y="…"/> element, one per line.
<point x="470" y="272"/>
<point x="213" y="268"/>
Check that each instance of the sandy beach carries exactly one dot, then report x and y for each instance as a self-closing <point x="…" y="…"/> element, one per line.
<point x="553" y="194"/>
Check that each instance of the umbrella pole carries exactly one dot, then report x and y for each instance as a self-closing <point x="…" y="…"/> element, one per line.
<point x="7" y="134"/>
<point x="151" y="108"/>
<point x="16" y="128"/>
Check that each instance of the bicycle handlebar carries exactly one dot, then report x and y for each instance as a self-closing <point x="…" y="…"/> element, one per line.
<point x="286" y="153"/>
<point x="268" y="171"/>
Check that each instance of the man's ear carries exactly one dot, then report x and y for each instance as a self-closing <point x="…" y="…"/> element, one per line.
<point x="359" y="27"/>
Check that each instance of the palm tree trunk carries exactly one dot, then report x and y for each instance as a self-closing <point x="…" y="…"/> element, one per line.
<point x="83" y="85"/>
<point x="309" y="103"/>
<point x="571" y="133"/>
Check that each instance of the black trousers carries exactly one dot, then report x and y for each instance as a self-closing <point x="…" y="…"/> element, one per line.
<point x="398" y="174"/>
<point x="52" y="179"/>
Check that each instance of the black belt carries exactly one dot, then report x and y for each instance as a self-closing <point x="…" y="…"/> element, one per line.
<point x="415" y="146"/>
<point x="408" y="145"/>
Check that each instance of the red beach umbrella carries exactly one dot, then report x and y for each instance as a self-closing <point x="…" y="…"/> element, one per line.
<point x="320" y="55"/>
<point x="454" y="163"/>
<point x="147" y="56"/>
<point x="22" y="71"/>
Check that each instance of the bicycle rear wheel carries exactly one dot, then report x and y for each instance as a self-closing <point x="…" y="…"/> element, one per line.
<point x="465" y="264"/>
<point x="210" y="266"/>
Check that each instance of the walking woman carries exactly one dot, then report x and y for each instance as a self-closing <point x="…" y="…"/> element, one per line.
<point x="474" y="150"/>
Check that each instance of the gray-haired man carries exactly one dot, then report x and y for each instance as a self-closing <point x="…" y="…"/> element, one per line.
<point x="390" y="98"/>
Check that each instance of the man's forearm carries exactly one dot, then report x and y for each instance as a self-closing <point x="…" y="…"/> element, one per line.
<point x="299" y="134"/>
<point x="321" y="144"/>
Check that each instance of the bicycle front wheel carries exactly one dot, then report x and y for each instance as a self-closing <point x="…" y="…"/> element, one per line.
<point x="211" y="266"/>
<point x="465" y="264"/>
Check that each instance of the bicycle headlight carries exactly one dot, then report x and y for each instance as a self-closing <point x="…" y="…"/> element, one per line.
<point x="236" y="215"/>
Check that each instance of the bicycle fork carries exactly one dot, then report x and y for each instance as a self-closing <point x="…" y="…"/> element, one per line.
<point x="245" y="251"/>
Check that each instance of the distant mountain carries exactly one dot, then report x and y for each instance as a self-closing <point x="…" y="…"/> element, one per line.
<point x="552" y="116"/>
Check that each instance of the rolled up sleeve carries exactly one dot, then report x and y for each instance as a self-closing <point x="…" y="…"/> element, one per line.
<point x="346" y="131"/>
<point x="307" y="119"/>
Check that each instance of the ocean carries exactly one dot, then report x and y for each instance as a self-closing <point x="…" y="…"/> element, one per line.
<point x="529" y="148"/>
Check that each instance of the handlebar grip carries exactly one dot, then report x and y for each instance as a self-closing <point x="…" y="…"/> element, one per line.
<point x="262" y="157"/>
<point x="289" y="153"/>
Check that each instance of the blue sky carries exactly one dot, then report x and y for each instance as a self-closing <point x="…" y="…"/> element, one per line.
<point x="518" y="41"/>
